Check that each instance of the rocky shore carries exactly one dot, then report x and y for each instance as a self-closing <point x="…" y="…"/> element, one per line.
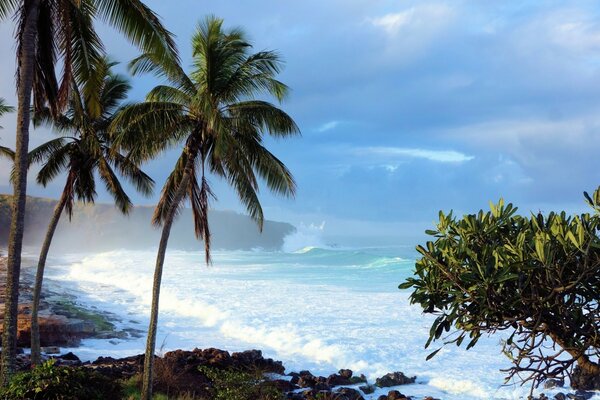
<point x="63" y="323"/>
<point x="187" y="373"/>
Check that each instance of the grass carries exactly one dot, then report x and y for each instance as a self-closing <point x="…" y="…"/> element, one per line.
<point x="70" y="309"/>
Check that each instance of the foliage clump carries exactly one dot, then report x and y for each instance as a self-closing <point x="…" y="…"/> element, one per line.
<point x="536" y="277"/>
<point x="50" y="382"/>
<point x="229" y="384"/>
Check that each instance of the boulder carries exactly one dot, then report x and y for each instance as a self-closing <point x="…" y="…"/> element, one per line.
<point x="394" y="379"/>
<point x="367" y="389"/>
<point x="396" y="395"/>
<point x="348" y="394"/>
<point x="553" y="383"/>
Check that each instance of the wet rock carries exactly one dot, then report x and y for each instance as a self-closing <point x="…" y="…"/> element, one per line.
<point x="396" y="395"/>
<point x="345" y="373"/>
<point x="50" y="350"/>
<point x="348" y="394"/>
<point x="339" y="380"/>
<point x="560" y="396"/>
<point x="394" y="379"/>
<point x="283" y="385"/>
<point x="580" y="395"/>
<point x="68" y="359"/>
<point x="295" y="377"/>
<point x="553" y="383"/>
<point x="367" y="389"/>
<point x="358" y="379"/>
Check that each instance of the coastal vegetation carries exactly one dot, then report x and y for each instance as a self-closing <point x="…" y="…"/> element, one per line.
<point x="49" y="32"/>
<point x="214" y="113"/>
<point x="537" y="278"/>
<point x="81" y="152"/>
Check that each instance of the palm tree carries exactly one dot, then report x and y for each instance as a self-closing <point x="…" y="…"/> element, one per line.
<point x="49" y="31"/>
<point x="86" y="150"/>
<point x="213" y="112"/>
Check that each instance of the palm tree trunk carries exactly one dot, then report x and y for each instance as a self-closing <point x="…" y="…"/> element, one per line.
<point x="160" y="259"/>
<point x="39" y="276"/>
<point x="15" y="240"/>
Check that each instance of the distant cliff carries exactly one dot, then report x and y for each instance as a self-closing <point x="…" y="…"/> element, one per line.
<point x="102" y="227"/>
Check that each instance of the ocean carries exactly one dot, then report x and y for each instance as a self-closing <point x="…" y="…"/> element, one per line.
<point x="313" y="308"/>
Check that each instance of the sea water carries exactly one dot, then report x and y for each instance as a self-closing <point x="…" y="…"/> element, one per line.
<point x="320" y="309"/>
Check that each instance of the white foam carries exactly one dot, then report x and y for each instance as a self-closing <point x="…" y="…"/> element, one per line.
<point x="305" y="238"/>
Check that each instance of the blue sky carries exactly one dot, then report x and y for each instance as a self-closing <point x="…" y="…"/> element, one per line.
<point x="407" y="107"/>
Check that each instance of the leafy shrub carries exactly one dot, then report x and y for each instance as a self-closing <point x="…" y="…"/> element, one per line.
<point x="536" y="278"/>
<point x="50" y="382"/>
<point x="237" y="385"/>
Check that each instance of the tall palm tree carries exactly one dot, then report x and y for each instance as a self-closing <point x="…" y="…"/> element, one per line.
<point x="49" y="31"/>
<point x="214" y="113"/>
<point x="85" y="149"/>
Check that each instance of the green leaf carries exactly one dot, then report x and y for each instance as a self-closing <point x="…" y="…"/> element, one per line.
<point x="432" y="354"/>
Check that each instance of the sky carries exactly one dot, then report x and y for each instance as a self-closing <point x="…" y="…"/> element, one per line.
<point x="405" y="107"/>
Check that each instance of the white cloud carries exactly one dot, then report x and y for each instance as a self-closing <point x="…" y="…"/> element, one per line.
<point x="392" y="23"/>
<point x="420" y="19"/>
<point x="444" y="156"/>
<point x="328" y="126"/>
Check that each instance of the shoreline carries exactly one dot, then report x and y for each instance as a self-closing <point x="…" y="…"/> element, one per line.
<point x="424" y="385"/>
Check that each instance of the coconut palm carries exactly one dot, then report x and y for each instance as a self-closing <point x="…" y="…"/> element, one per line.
<point x="49" y="31"/>
<point x="83" y="150"/>
<point x="213" y="112"/>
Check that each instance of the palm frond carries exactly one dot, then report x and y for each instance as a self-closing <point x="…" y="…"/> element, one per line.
<point x="60" y="123"/>
<point x="45" y="86"/>
<point x="169" y="190"/>
<point x="238" y="171"/>
<point x="7" y="153"/>
<point x="262" y="116"/>
<point x="170" y="70"/>
<point x="7" y="7"/>
<point x="254" y="75"/>
<point x="114" y="91"/>
<point x="130" y="170"/>
<point x="164" y="93"/>
<point x="4" y="108"/>
<point x="113" y="186"/>
<point x="273" y="171"/>
<point x="200" y="199"/>
<point x="146" y="129"/>
<point x="55" y="163"/>
<point x="45" y="150"/>
<point x="141" y="26"/>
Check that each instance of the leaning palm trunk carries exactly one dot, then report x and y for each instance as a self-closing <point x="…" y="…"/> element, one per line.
<point x="160" y="260"/>
<point x="15" y="241"/>
<point x="39" y="276"/>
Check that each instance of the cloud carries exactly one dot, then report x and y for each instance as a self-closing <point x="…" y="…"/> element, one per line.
<point x="416" y="19"/>
<point x="328" y="126"/>
<point x="442" y="156"/>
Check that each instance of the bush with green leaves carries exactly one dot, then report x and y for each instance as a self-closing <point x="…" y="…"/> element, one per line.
<point x="51" y="382"/>
<point x="537" y="278"/>
<point x="228" y="384"/>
